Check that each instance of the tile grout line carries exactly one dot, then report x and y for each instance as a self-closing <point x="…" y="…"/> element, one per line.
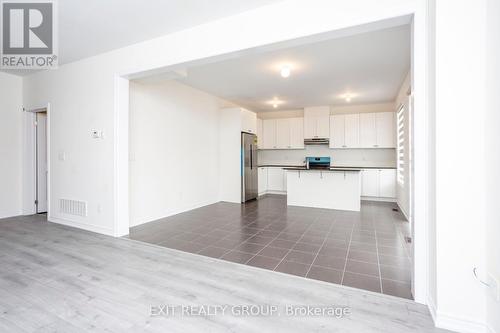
<point x="378" y="262"/>
<point x="347" y="254"/>
<point x="290" y="250"/>
<point x="322" y="244"/>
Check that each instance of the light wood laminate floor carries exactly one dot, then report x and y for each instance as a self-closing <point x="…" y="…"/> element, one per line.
<point x="59" y="279"/>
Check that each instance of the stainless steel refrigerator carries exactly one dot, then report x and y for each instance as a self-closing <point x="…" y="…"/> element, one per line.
<point x="249" y="167"/>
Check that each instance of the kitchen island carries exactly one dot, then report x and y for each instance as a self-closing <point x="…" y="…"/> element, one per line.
<point x="333" y="188"/>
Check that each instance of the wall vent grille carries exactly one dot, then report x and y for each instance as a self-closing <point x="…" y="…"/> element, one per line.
<point x="73" y="207"/>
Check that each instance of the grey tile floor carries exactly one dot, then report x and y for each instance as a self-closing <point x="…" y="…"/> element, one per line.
<point x="364" y="249"/>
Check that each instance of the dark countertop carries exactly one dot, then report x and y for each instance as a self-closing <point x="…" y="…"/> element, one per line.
<point x="331" y="169"/>
<point x="301" y="167"/>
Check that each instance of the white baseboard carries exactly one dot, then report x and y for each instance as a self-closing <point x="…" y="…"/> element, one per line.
<point x="272" y="192"/>
<point x="453" y="323"/>
<point x="178" y="211"/>
<point x="378" y="199"/>
<point x="85" y="226"/>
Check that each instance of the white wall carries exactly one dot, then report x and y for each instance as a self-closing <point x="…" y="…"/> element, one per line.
<point x="460" y="191"/>
<point x="174" y="150"/>
<point x="11" y="117"/>
<point x="492" y="140"/>
<point x="340" y="157"/>
<point x="230" y="155"/>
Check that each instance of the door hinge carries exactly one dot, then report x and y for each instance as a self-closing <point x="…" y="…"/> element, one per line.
<point x="36" y="202"/>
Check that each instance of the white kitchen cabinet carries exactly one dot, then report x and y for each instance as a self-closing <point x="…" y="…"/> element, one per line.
<point x="387" y="183"/>
<point x="351" y="130"/>
<point x="344" y="131"/>
<point x="283" y="133"/>
<point x="248" y="121"/>
<point x="275" y="179"/>
<point x="269" y="133"/>
<point x="367" y="130"/>
<point x="377" y="130"/>
<point x="260" y="135"/>
<point x="337" y="131"/>
<point x="296" y="133"/>
<point x="262" y="182"/>
<point x="369" y="183"/>
<point x="386" y="129"/>
<point x="317" y="122"/>
<point x="378" y="183"/>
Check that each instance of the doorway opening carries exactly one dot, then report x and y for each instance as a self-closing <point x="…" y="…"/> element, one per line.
<point x="41" y="170"/>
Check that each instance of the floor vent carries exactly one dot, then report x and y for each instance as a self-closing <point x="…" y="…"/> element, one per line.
<point x="395" y="210"/>
<point x="73" y="207"/>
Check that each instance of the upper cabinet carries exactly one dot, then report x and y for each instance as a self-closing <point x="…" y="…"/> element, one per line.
<point x="377" y="130"/>
<point x="316" y="122"/>
<point x="248" y="121"/>
<point x="260" y="135"/>
<point x="386" y="129"/>
<point x="365" y="130"/>
<point x="284" y="133"/>
<point x="344" y="131"/>
<point x="269" y="134"/>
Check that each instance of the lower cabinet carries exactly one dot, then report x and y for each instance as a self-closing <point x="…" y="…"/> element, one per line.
<point x="262" y="184"/>
<point x="272" y="180"/>
<point x="378" y="183"/>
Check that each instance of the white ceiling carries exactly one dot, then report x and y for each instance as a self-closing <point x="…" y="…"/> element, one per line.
<point x="372" y="66"/>
<point x="91" y="27"/>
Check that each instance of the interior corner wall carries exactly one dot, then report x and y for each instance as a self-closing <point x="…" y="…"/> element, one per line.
<point x="173" y="150"/>
<point x="11" y="141"/>
<point x="492" y="134"/>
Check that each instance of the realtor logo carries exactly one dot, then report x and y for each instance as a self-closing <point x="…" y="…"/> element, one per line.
<point x="28" y="34"/>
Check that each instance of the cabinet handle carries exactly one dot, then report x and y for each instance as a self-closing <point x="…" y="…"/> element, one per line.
<point x="375" y="145"/>
<point x="344" y="146"/>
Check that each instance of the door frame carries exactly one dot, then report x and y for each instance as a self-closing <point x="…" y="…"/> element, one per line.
<point x="422" y="127"/>
<point x="30" y="178"/>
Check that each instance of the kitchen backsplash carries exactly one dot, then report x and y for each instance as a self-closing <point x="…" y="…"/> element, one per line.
<point x="340" y="157"/>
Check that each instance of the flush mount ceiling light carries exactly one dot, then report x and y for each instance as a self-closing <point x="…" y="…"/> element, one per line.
<point x="348" y="96"/>
<point x="285" y="71"/>
<point x="275" y="102"/>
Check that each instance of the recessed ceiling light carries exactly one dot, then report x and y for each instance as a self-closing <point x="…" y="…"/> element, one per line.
<point x="285" y="71"/>
<point x="275" y="106"/>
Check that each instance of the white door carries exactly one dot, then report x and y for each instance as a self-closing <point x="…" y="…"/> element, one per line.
<point x="41" y="162"/>
<point x="367" y="130"/>
<point x="323" y="126"/>
<point x="369" y="183"/>
<point x="337" y="131"/>
<point x="387" y="183"/>
<point x="297" y="133"/>
<point x="386" y="129"/>
<point x="283" y="133"/>
<point x="275" y="179"/>
<point x="269" y="131"/>
<point x="351" y="130"/>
